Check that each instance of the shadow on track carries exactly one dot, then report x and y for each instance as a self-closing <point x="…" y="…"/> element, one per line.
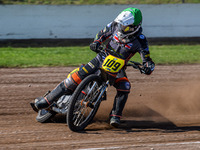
<point x="149" y="121"/>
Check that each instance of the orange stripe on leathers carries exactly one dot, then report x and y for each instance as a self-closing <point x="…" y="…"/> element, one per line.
<point x="76" y="78"/>
<point x="121" y="79"/>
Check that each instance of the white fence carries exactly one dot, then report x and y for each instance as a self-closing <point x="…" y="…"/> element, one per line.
<point x="76" y="22"/>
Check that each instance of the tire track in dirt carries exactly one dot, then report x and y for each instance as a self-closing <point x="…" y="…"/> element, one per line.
<point x="162" y="108"/>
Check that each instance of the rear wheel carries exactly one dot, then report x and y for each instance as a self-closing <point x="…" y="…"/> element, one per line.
<point x="82" y="109"/>
<point x="45" y="116"/>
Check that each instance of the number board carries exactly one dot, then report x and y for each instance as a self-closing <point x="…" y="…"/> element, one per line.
<point x="113" y="64"/>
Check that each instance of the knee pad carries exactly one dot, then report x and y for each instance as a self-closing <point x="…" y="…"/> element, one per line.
<point x="73" y="81"/>
<point x="123" y="85"/>
<point x="75" y="78"/>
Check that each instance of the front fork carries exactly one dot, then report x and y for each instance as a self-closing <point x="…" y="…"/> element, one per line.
<point x="102" y="89"/>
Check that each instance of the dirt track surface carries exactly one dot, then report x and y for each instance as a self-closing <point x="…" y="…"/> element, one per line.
<point x="162" y="112"/>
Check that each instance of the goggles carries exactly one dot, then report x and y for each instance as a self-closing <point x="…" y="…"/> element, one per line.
<point x="128" y="29"/>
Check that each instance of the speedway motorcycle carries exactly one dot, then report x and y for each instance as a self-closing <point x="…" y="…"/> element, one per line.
<point x="81" y="107"/>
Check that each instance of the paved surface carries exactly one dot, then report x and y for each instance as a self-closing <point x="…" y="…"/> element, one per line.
<point x="162" y="112"/>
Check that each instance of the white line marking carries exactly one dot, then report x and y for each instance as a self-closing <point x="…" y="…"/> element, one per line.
<point x="143" y="145"/>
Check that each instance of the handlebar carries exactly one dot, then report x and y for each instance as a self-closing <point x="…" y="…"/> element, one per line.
<point x="136" y="65"/>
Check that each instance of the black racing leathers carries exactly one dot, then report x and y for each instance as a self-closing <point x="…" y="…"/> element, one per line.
<point x="126" y="48"/>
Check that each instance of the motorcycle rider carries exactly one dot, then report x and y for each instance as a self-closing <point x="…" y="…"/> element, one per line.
<point x="124" y="36"/>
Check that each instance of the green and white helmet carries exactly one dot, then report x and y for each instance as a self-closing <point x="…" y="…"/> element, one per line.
<point x="129" y="21"/>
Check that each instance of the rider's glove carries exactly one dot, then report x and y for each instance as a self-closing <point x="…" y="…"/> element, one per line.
<point x="149" y="67"/>
<point x="94" y="46"/>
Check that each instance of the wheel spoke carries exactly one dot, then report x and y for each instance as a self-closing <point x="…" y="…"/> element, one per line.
<point x="82" y="111"/>
<point x="81" y="117"/>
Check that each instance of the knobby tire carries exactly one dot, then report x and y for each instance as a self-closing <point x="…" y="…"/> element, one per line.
<point x="44" y="118"/>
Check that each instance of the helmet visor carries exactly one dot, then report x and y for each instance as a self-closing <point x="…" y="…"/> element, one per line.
<point x="128" y="29"/>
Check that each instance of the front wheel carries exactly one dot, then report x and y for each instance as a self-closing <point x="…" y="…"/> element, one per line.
<point x="83" y="106"/>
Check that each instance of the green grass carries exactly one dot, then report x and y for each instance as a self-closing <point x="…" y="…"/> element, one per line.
<point x="74" y="56"/>
<point x="90" y="2"/>
<point x="176" y="54"/>
<point x="35" y="57"/>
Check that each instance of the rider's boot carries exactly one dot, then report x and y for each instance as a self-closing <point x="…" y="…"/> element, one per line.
<point x="115" y="121"/>
<point x="118" y="106"/>
<point x="65" y="87"/>
<point x="44" y="102"/>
